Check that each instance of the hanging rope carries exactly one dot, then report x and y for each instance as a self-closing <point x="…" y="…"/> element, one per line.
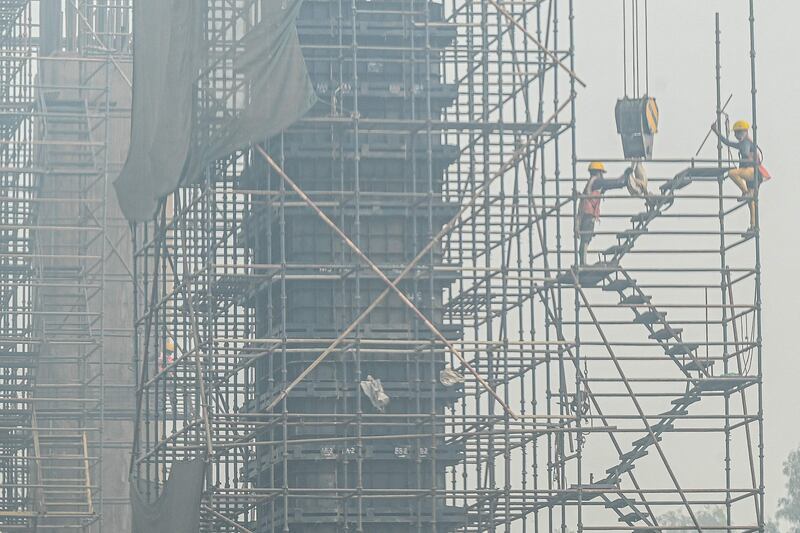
<point x="625" y="47"/>
<point x="646" y="48"/>
<point x="639" y="15"/>
<point x="636" y="75"/>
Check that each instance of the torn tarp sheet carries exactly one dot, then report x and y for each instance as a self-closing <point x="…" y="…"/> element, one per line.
<point x="178" y="508"/>
<point x="167" y="144"/>
<point x="167" y="39"/>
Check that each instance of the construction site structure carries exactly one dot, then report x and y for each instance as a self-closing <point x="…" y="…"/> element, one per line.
<point x="374" y="321"/>
<point x="376" y="317"/>
<point x="65" y="267"/>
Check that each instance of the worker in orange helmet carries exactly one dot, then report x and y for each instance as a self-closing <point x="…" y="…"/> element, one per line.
<point x="745" y="175"/>
<point x="589" y="206"/>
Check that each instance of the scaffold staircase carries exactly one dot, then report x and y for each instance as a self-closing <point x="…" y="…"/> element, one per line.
<point x="67" y="130"/>
<point x="64" y="488"/>
<point x="685" y="357"/>
<point x="656" y="206"/>
<point x="66" y="320"/>
<point x="69" y="159"/>
<point x="669" y="338"/>
<point x="611" y="277"/>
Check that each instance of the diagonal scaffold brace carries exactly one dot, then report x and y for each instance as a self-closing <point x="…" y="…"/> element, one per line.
<point x="516" y="157"/>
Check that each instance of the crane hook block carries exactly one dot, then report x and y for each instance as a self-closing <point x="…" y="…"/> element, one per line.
<point x="637" y="124"/>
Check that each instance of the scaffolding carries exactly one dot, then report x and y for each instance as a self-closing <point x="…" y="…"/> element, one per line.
<point x="64" y="398"/>
<point x="374" y="321"/>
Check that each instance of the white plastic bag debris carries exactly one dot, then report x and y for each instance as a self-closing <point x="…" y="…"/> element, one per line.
<point x="637" y="181"/>
<point x="373" y="388"/>
<point x="449" y="377"/>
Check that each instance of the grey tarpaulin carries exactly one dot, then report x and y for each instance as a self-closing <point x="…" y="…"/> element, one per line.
<point x="167" y="46"/>
<point x="49" y="27"/>
<point x="178" y="508"/>
<point x="166" y="146"/>
<point x="279" y="90"/>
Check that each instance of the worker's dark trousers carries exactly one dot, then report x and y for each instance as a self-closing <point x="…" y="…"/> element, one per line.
<point x="585" y="234"/>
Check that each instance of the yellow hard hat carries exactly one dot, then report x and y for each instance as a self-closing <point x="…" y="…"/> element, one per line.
<point x="741" y="125"/>
<point x="170" y="345"/>
<point x="597" y="165"/>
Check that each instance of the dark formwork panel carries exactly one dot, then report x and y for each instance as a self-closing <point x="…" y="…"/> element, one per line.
<point x="383" y="187"/>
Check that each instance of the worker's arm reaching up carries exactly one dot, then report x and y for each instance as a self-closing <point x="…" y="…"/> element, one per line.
<point x="722" y="138"/>
<point x="726" y="141"/>
<point x="746" y="148"/>
<point x="606" y="184"/>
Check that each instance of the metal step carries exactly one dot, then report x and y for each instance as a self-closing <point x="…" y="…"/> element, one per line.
<point x="572" y="493"/>
<point x="678" y="182"/>
<point x="633" y="455"/>
<point x="721" y="384"/>
<point x="682" y="411"/>
<point x="620" y="469"/>
<point x="631" y="233"/>
<point x="697" y="365"/>
<point x="644" y="216"/>
<point x="685" y="400"/>
<point x="682" y="348"/>
<point x="647" y="440"/>
<point x="618" y="285"/>
<point x="662" y="426"/>
<point x="632" y="517"/>
<point x="650" y="317"/>
<point x="636" y="299"/>
<point x="659" y="203"/>
<point x="666" y="333"/>
<point x="703" y="172"/>
<point x="587" y="276"/>
<point x="618" y="249"/>
<point x="619" y="503"/>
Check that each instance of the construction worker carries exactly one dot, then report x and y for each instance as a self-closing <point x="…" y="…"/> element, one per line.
<point x="744" y="177"/>
<point x="164" y="362"/>
<point x="589" y="206"/>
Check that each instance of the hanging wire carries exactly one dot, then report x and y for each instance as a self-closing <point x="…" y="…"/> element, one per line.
<point x="646" y="48"/>
<point x="625" y="46"/>
<point x="633" y="47"/>
<point x="635" y="30"/>
<point x="637" y="35"/>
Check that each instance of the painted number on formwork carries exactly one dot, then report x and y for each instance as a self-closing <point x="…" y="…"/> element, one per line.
<point x="328" y="452"/>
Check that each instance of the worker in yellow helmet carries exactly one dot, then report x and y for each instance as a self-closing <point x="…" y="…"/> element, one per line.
<point x="589" y="205"/>
<point x="745" y="176"/>
<point x="164" y="363"/>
